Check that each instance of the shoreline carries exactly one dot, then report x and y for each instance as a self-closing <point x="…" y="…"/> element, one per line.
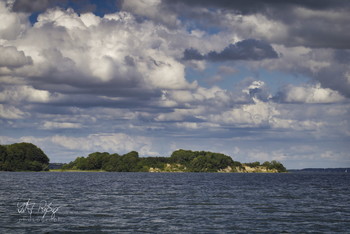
<point x="59" y="170"/>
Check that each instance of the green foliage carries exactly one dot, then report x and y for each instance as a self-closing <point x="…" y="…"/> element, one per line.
<point x="274" y="165"/>
<point x="155" y="162"/>
<point x="126" y="163"/>
<point x="210" y="162"/>
<point x="105" y="161"/>
<point x="111" y="163"/>
<point x="203" y="161"/>
<point x="96" y="160"/>
<point x="22" y="157"/>
<point x="183" y="157"/>
<point x="180" y="160"/>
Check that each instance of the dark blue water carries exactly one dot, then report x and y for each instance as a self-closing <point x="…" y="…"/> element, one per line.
<point x="174" y="203"/>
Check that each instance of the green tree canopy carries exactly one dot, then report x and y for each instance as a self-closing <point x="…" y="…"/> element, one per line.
<point x="22" y="156"/>
<point x="210" y="162"/>
<point x="191" y="161"/>
<point x="183" y="157"/>
<point x="274" y="165"/>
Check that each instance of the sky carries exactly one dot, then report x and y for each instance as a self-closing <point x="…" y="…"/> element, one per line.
<point x="256" y="80"/>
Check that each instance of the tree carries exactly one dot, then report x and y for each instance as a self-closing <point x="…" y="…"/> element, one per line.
<point x="155" y="162"/>
<point x="3" y="156"/>
<point x="127" y="163"/>
<point x="210" y="162"/>
<point x="111" y="162"/>
<point x="274" y="165"/>
<point x="96" y="160"/>
<point x="23" y="156"/>
<point x="183" y="157"/>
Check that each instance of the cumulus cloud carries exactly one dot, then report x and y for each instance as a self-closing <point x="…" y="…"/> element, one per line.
<point x="15" y="94"/>
<point x="10" y="57"/>
<point x="257" y="89"/>
<point x="115" y="53"/>
<point x="249" y="49"/>
<point x="249" y="115"/>
<point x="152" y="9"/>
<point x="12" y="24"/>
<point x="197" y="99"/>
<point x="311" y="94"/>
<point x="324" y="66"/>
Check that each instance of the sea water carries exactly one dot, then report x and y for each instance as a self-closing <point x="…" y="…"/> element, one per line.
<point x="88" y="202"/>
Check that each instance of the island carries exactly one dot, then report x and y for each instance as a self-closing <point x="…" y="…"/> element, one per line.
<point x="29" y="157"/>
<point x="179" y="161"/>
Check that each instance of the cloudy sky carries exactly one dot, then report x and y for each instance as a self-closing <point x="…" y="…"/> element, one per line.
<point x="256" y="80"/>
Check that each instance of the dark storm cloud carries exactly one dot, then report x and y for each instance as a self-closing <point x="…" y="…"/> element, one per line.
<point x="249" y="49"/>
<point x="342" y="56"/>
<point x="32" y="5"/>
<point x="335" y="77"/>
<point x="254" y="6"/>
<point x="80" y="6"/>
<point x="310" y="23"/>
<point x="193" y="54"/>
<point x="317" y="29"/>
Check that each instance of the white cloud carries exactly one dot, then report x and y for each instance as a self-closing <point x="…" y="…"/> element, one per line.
<point x="12" y="24"/>
<point x="151" y="9"/>
<point x="312" y="94"/>
<point x="320" y="65"/>
<point x="10" y="57"/>
<point x="26" y="94"/>
<point x="166" y="73"/>
<point x="249" y="115"/>
<point x="11" y="112"/>
<point x="195" y="125"/>
<point x="67" y="19"/>
<point x="116" y="50"/>
<point x="257" y="84"/>
<point x="298" y="125"/>
<point x="179" y="114"/>
<point x="58" y="125"/>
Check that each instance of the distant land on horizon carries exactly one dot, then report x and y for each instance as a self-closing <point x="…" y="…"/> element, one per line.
<point x="321" y="170"/>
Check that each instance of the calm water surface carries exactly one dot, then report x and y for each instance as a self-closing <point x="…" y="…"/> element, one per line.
<point x="173" y="203"/>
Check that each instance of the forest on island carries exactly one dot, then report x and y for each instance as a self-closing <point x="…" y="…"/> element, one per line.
<point x="180" y="160"/>
<point x="22" y="157"/>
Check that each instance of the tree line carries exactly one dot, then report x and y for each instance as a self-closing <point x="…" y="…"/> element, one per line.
<point x="28" y="157"/>
<point x="189" y="161"/>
